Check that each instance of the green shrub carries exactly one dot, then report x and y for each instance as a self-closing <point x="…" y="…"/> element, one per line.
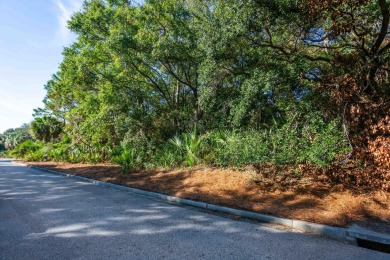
<point x="128" y="159"/>
<point x="301" y="139"/>
<point x="4" y="154"/>
<point x="135" y="152"/>
<point x="186" y="148"/>
<point x="322" y="145"/>
<point x="164" y="157"/>
<point x="24" y="149"/>
<point x="35" y="156"/>
<point x="230" y="148"/>
<point x="75" y="154"/>
<point x="57" y="152"/>
<point x="312" y="141"/>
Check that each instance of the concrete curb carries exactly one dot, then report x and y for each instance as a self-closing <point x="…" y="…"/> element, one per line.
<point x="364" y="234"/>
<point x="347" y="235"/>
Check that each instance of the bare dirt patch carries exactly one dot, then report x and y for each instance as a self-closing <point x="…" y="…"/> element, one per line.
<point x="286" y="194"/>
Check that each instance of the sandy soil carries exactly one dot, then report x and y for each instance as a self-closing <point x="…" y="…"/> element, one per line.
<point x="310" y="198"/>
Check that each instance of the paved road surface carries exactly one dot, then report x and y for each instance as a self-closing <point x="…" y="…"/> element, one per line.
<point x="45" y="216"/>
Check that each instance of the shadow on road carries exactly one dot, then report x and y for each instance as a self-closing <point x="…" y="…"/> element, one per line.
<point x="45" y="216"/>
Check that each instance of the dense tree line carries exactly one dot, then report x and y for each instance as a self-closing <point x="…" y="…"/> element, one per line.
<point x="11" y="138"/>
<point x="272" y="76"/>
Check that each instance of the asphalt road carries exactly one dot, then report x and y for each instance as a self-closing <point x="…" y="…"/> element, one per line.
<point x="45" y="216"/>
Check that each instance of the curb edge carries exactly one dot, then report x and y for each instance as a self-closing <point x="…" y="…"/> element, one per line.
<point x="335" y="233"/>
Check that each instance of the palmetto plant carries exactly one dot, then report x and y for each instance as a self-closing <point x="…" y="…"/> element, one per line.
<point x="46" y="128"/>
<point x="187" y="146"/>
<point x="127" y="159"/>
<point x="13" y="137"/>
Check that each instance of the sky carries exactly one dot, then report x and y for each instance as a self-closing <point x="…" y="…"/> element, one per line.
<point x="33" y="34"/>
<point x="32" y="37"/>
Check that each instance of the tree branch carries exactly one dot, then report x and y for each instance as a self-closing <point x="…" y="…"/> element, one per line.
<point x="384" y="49"/>
<point x="385" y="25"/>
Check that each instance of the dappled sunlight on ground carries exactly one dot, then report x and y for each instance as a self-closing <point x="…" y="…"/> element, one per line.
<point x="52" y="217"/>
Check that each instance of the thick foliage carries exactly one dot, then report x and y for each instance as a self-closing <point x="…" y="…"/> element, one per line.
<point x="60" y="152"/>
<point x="281" y="81"/>
<point x="46" y="128"/>
<point x="13" y="137"/>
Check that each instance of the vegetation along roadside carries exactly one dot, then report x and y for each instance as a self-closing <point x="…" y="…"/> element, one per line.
<point x="296" y="93"/>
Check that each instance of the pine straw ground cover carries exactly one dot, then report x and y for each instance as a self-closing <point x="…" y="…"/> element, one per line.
<point x="309" y="197"/>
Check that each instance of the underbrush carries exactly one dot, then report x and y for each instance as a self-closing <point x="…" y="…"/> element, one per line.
<point x="318" y="145"/>
<point x="60" y="152"/>
<point x="3" y="154"/>
<point x="311" y="142"/>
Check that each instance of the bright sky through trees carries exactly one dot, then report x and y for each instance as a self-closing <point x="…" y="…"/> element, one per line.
<point x="33" y="34"/>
